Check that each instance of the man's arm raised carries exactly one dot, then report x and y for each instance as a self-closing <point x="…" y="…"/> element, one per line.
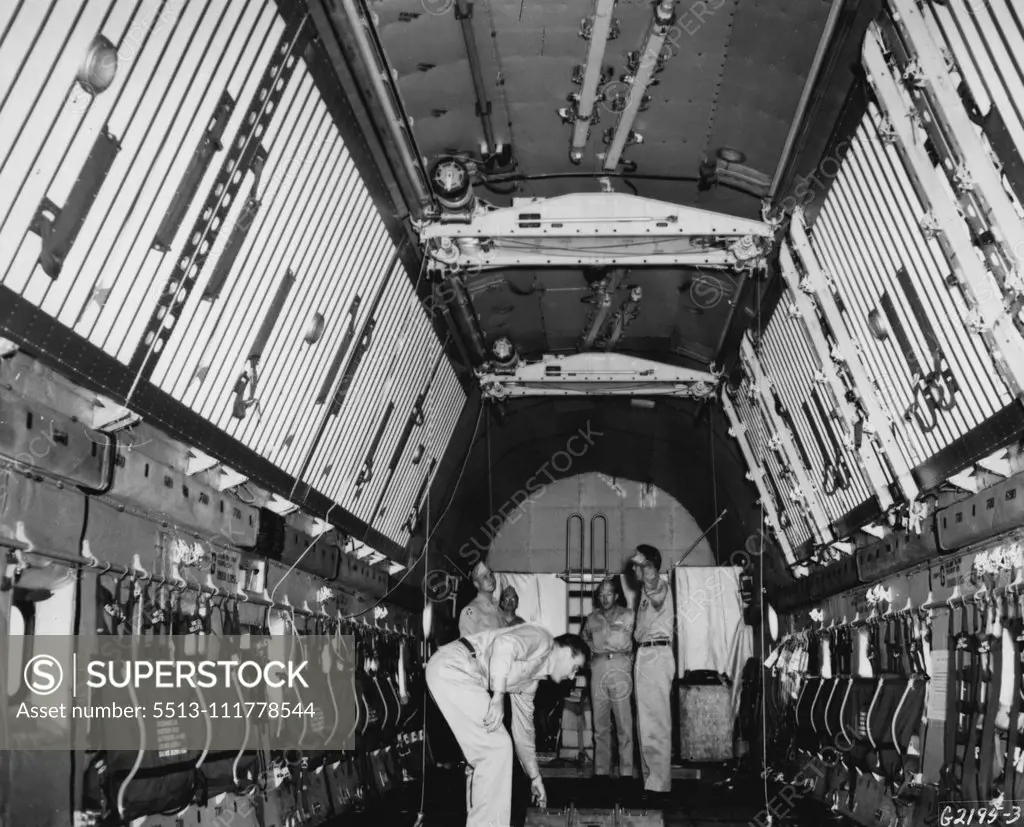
<point x="658" y="594"/>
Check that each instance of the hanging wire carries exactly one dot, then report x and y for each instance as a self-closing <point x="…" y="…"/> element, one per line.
<point x="714" y="486"/>
<point x="490" y="480"/>
<point x="760" y="601"/>
<point x="421" y="814"/>
<point x="327" y="519"/>
<point x="426" y="544"/>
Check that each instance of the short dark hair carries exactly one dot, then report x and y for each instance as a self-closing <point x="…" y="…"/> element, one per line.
<point x="651" y="553"/>
<point x="576" y="643"/>
<point x="616" y="584"/>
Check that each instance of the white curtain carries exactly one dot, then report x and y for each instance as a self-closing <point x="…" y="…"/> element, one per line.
<point x="709" y="623"/>
<point x="542" y="599"/>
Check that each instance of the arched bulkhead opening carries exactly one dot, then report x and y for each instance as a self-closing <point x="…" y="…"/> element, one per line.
<point x="528" y="453"/>
<point x="594" y="521"/>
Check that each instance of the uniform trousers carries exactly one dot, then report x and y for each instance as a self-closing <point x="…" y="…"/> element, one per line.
<point x="611" y="697"/>
<point x="460" y="690"/>
<point x="654" y="672"/>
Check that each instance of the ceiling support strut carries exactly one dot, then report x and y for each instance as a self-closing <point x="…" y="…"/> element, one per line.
<point x="650" y="60"/>
<point x="592" y="76"/>
<point x="464" y="14"/>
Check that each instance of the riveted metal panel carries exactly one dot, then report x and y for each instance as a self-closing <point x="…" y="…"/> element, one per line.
<point x="796" y="522"/>
<point x="934" y="377"/>
<point x="789" y="358"/>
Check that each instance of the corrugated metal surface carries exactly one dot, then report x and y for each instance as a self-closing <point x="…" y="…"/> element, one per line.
<point x="935" y="377"/>
<point x="201" y="221"/>
<point x="768" y="454"/>
<point x="986" y="39"/>
<point x="789" y="358"/>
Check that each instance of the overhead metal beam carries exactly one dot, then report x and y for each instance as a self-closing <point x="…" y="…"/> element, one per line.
<point x="560" y="231"/>
<point x="592" y="74"/>
<point x="650" y="58"/>
<point x="603" y="299"/>
<point x="464" y="14"/>
<point x="805" y="98"/>
<point x="353" y="26"/>
<point x="596" y="374"/>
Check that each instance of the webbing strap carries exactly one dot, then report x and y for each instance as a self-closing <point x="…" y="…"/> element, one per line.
<point x="993" y="682"/>
<point x="948" y="774"/>
<point x="1009" y="768"/>
<point x="973" y="676"/>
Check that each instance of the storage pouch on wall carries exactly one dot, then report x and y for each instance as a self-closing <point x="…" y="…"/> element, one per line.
<point x="163" y="777"/>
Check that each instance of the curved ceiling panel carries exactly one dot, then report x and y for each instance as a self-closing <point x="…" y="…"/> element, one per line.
<point x="725" y="83"/>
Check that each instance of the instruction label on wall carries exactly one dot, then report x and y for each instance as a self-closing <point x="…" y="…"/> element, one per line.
<point x="226" y="568"/>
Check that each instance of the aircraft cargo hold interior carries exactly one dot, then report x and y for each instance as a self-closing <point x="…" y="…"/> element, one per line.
<point x="511" y="413"/>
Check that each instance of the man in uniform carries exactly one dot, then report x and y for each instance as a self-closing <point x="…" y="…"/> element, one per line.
<point x="609" y="633"/>
<point x="654" y="671"/>
<point x="469" y="679"/>
<point x="508" y="604"/>
<point x="482" y="612"/>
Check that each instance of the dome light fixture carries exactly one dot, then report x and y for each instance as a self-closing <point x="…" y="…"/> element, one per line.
<point x="731" y="156"/>
<point x="503" y="350"/>
<point x="99" y="68"/>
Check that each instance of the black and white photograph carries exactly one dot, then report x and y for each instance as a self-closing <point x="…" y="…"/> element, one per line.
<point x="512" y="413"/>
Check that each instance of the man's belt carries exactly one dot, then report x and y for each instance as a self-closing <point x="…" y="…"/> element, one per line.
<point x="611" y="655"/>
<point x="660" y="642"/>
<point x="468" y="645"/>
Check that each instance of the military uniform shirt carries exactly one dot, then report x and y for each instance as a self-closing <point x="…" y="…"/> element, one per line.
<point x="482" y="613"/>
<point x="513" y="661"/>
<point x="654" y="623"/>
<point x="611" y="631"/>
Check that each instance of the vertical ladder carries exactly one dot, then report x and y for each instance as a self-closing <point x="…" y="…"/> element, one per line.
<point x="586" y="565"/>
<point x="583" y="570"/>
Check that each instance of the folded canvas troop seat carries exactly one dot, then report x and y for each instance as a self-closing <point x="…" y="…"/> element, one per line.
<point x="881" y="714"/>
<point x="859" y="707"/>
<point x="161" y="775"/>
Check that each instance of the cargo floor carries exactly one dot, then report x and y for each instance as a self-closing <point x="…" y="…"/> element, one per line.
<point x="722" y="803"/>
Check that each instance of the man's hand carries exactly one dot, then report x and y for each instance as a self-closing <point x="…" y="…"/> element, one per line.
<point x="495" y="716"/>
<point x="540" y="795"/>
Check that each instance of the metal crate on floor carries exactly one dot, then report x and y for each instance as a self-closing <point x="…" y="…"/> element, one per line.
<point x="705" y="723"/>
<point x="572" y="817"/>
